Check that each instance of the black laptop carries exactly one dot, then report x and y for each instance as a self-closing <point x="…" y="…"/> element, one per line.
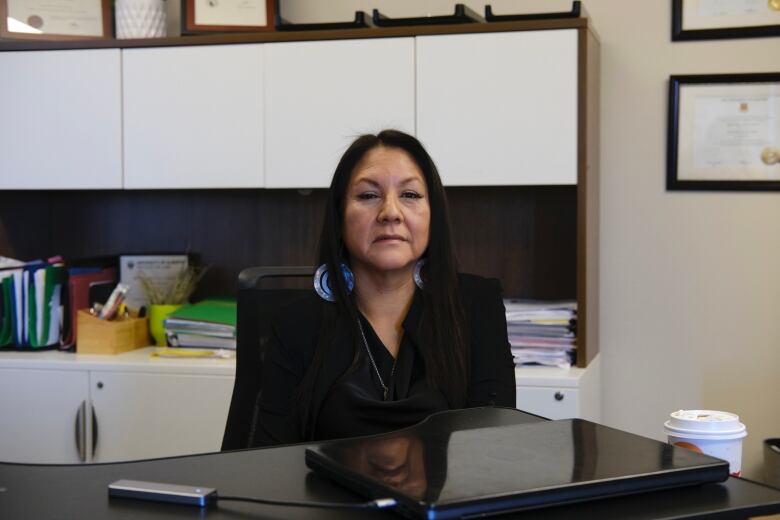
<point x="477" y="472"/>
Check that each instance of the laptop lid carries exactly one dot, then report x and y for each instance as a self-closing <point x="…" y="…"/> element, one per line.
<point x="449" y="474"/>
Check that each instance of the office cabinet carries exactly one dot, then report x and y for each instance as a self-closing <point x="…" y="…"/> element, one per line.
<point x="508" y="109"/>
<point x="319" y="96"/>
<point x="40" y="412"/>
<point x="58" y="408"/>
<point x="61" y="120"/>
<point x="557" y="393"/>
<point x="146" y="415"/>
<point x="500" y="108"/>
<point x="193" y="117"/>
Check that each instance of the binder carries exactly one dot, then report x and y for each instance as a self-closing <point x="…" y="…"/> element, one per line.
<point x="43" y="291"/>
<point x="9" y="281"/>
<point x="212" y="314"/>
<point x="31" y="305"/>
<point x="208" y="324"/>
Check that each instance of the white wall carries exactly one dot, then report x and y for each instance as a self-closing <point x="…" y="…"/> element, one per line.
<point x="690" y="295"/>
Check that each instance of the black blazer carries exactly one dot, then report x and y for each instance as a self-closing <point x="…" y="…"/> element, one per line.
<point x="294" y="337"/>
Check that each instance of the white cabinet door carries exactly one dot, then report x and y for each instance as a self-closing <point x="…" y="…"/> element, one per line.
<point x="148" y="415"/>
<point x="320" y="96"/>
<point x="38" y="415"/>
<point x="193" y="117"/>
<point x="61" y="121"/>
<point x="552" y="403"/>
<point x="499" y="108"/>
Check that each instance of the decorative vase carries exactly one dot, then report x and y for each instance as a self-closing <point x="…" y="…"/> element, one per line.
<point x="140" y="18"/>
<point x="157" y="314"/>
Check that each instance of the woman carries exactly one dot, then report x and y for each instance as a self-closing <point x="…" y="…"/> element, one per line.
<point x="394" y="333"/>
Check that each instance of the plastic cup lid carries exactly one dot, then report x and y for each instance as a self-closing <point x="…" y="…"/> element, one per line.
<point x="704" y="422"/>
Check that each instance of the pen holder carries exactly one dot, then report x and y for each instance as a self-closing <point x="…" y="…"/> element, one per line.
<point x="96" y="336"/>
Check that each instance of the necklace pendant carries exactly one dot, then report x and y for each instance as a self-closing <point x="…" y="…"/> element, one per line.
<point x="385" y="396"/>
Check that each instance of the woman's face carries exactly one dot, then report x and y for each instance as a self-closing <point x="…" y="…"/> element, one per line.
<point x="386" y="215"/>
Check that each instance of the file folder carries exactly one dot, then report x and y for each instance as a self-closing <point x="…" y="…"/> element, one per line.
<point x="43" y="284"/>
<point x="11" y="330"/>
<point x="31" y="305"/>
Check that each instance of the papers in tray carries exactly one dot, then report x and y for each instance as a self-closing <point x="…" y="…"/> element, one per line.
<point x="542" y="333"/>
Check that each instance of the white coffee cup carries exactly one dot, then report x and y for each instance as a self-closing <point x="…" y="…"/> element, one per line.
<point x="714" y="433"/>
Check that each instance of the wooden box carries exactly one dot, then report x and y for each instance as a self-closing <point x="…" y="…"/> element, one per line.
<point x="96" y="336"/>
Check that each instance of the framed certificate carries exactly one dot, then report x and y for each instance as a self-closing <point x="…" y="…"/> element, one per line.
<point x="55" y="19"/>
<point x="205" y="16"/>
<point x="710" y="19"/>
<point x="724" y="132"/>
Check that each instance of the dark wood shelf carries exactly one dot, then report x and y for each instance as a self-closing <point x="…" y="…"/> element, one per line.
<point x="286" y="36"/>
<point x="523" y="235"/>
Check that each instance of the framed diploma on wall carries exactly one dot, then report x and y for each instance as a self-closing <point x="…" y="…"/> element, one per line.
<point x="711" y="19"/>
<point x="55" y="19"/>
<point x="724" y="132"/>
<point x="209" y="16"/>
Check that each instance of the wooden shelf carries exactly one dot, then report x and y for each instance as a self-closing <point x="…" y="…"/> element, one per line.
<point x="287" y="36"/>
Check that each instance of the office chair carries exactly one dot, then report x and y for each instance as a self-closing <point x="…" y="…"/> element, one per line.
<point x="256" y="307"/>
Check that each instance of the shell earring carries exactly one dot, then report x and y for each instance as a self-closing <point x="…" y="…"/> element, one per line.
<point x="323" y="285"/>
<point x="418" y="281"/>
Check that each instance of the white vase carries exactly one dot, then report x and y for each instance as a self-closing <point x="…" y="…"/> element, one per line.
<point x="140" y="18"/>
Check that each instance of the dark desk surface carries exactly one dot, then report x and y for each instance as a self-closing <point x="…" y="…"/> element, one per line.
<point x="80" y="491"/>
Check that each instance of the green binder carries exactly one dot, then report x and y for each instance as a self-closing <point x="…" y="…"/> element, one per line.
<point x="6" y="311"/>
<point x="213" y="311"/>
<point x="43" y="306"/>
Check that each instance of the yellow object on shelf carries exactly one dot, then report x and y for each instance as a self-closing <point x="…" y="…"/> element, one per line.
<point x="96" y="336"/>
<point x="190" y="353"/>
<point x="157" y="315"/>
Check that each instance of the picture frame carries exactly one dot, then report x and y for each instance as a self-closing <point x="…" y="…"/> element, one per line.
<point x="706" y="20"/>
<point x="724" y="132"/>
<point x="217" y="16"/>
<point x="56" y="19"/>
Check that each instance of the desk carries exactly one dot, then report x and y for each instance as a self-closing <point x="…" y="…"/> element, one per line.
<point x="80" y="491"/>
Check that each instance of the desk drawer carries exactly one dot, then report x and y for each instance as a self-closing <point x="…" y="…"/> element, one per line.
<point x="550" y="402"/>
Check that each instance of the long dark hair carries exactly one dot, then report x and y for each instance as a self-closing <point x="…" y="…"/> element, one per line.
<point x="444" y="347"/>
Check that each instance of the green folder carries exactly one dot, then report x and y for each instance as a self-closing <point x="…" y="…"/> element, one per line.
<point x="208" y="311"/>
<point x="45" y="282"/>
<point x="6" y="313"/>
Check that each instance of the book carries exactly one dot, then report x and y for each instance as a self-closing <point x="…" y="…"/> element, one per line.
<point x="200" y="341"/>
<point x="210" y="317"/>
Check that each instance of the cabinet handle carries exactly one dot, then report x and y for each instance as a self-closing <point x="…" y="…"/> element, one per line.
<point x="81" y="431"/>
<point x="559" y="396"/>
<point x="94" y="429"/>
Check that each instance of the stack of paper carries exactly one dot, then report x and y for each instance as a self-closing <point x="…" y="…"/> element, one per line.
<point x="542" y="333"/>
<point x="30" y="303"/>
<point x="207" y="324"/>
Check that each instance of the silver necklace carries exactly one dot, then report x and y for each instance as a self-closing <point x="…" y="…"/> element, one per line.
<point x="373" y="363"/>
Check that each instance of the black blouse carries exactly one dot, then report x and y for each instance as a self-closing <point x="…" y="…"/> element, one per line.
<point x="356" y="403"/>
<point x="352" y="404"/>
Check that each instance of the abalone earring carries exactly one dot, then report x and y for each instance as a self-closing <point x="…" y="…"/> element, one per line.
<point x="322" y="283"/>
<point x="418" y="281"/>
